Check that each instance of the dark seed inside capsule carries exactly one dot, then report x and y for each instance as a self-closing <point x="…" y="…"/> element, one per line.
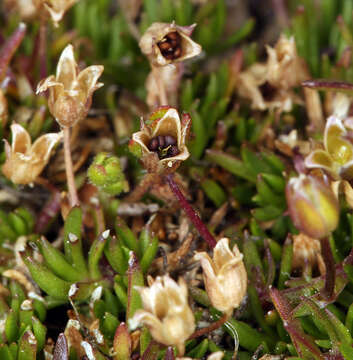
<point x="164" y="146"/>
<point x="268" y="91"/>
<point x="169" y="140"/>
<point x="153" y="145"/>
<point x="173" y="151"/>
<point x="170" y="46"/>
<point x="161" y="141"/>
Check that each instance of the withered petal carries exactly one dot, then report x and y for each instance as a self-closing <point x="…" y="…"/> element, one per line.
<point x="87" y="79"/>
<point x="43" y="146"/>
<point x="66" y="70"/>
<point x="21" y="141"/>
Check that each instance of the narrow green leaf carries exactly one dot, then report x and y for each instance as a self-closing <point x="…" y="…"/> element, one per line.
<point x="230" y="163"/>
<point x="73" y="242"/>
<point x="135" y="278"/>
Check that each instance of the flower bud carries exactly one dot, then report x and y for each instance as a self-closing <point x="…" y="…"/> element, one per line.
<point x="105" y="172"/>
<point x="312" y="206"/>
<point x="166" y="312"/>
<point x="224" y="276"/>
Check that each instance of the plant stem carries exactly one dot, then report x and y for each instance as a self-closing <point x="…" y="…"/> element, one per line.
<point x="69" y="169"/>
<point x="327" y="255"/>
<point x="141" y="188"/>
<point x="191" y="213"/>
<point x="210" y="328"/>
<point x="163" y="100"/>
<point x="42" y="52"/>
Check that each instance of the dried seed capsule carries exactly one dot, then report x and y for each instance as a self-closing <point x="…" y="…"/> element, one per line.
<point x="165" y="43"/>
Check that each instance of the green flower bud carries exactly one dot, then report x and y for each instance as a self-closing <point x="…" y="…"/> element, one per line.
<point x="105" y="172"/>
<point x="312" y="206"/>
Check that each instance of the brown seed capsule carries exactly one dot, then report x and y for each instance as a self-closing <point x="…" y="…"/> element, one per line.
<point x="170" y="45"/>
<point x="166" y="124"/>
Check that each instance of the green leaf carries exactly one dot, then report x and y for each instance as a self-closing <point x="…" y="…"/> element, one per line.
<point x="11" y="326"/>
<point x="57" y="262"/>
<point x="46" y="280"/>
<point x="73" y="242"/>
<point x="126" y="235"/>
<point x="214" y="192"/>
<point x="149" y="254"/>
<point x="27" y="347"/>
<point x="230" y="163"/>
<point x="135" y="278"/>
<point x="286" y="263"/>
<point x="95" y="253"/>
<point x="122" y="343"/>
<point x="40" y="332"/>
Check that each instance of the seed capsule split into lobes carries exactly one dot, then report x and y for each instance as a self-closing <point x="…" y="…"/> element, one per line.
<point x="170" y="46"/>
<point x="165" y="146"/>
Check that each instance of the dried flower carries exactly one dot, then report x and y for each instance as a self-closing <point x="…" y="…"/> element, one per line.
<point x="29" y="9"/>
<point x="71" y="90"/>
<point x="161" y="141"/>
<point x="337" y="157"/>
<point x="165" y="43"/>
<point x="166" y="312"/>
<point x="307" y="252"/>
<point x="312" y="206"/>
<point x="268" y="86"/>
<point x="55" y="8"/>
<point x="26" y="9"/>
<point x="224" y="276"/>
<point x="284" y="66"/>
<point x="24" y="162"/>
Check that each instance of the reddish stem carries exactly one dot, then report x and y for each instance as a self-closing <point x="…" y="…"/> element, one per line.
<point x="70" y="177"/>
<point x="210" y="328"/>
<point x="330" y="274"/>
<point x="42" y="53"/>
<point x="169" y="355"/>
<point x="191" y="213"/>
<point x="9" y="49"/>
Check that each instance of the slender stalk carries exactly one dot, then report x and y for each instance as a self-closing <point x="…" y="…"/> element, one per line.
<point x="9" y="48"/>
<point x="51" y="207"/>
<point x="42" y="51"/>
<point x="163" y="100"/>
<point x="191" y="213"/>
<point x="141" y="188"/>
<point x="210" y="328"/>
<point x="330" y="275"/>
<point x="69" y="169"/>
